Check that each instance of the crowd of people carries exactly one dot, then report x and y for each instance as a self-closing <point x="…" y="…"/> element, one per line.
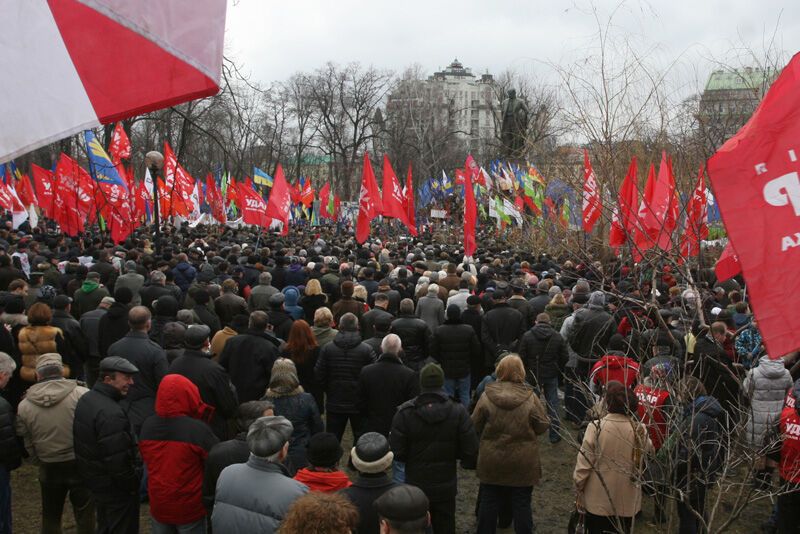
<point x="215" y="377"/>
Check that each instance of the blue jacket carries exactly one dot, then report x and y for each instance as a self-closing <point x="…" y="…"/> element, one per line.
<point x="184" y="275"/>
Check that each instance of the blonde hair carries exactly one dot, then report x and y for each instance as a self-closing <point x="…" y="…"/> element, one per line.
<point x="313" y="287"/>
<point x="510" y="369"/>
<point x="323" y="317"/>
<point x="558" y="298"/>
<point x="360" y="292"/>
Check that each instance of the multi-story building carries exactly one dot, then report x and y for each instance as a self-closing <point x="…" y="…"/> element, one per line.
<point x="454" y="99"/>
<point x="728" y="100"/>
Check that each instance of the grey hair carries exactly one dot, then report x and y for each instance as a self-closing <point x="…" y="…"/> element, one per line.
<point x="391" y="344"/>
<point x="348" y="323"/>
<point x="185" y="316"/>
<point x="7" y="363"/>
<point x="265" y="278"/>
<point x="157" y="277"/>
<point x="249" y="411"/>
<point x="407" y="306"/>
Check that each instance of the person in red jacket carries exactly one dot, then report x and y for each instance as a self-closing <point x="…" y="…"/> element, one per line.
<point x="324" y="452"/>
<point x="174" y="444"/>
<point x="789" y="467"/>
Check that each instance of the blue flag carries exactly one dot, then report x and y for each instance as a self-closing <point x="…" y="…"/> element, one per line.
<point x="261" y="178"/>
<point x="103" y="171"/>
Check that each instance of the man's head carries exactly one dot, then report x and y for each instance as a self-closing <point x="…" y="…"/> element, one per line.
<point x="18" y="287"/>
<point x="381" y="301"/>
<point x="543" y="318"/>
<point x="139" y="319"/>
<point x="391" y="344"/>
<point x="371" y="454"/>
<point x="196" y="337"/>
<point x="62" y="302"/>
<point x="407" y="307"/>
<point x="258" y="321"/>
<point x="719" y="331"/>
<point x="105" y="303"/>
<point x="230" y="286"/>
<point x="118" y="373"/>
<point x="348" y="323"/>
<point x="249" y="411"/>
<point x="49" y="366"/>
<point x="474" y="302"/>
<point x="265" y="278"/>
<point x="7" y="366"/>
<point x="158" y="278"/>
<point x="431" y="377"/>
<point x="403" y="510"/>
<point x="268" y="437"/>
<point x="130" y="266"/>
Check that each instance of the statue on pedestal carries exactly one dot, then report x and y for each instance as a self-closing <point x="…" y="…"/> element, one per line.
<point x="514" y="126"/>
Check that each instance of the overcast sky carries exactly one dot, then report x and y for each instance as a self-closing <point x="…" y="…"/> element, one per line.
<point x="273" y="39"/>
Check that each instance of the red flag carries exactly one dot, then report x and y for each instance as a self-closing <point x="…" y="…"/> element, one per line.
<point x="171" y="197"/>
<point x="141" y="202"/>
<point x="756" y="182"/>
<point x="307" y="194"/>
<point x="470" y="217"/>
<point x="592" y="201"/>
<point x="72" y="199"/>
<point x="295" y="193"/>
<point x="43" y="183"/>
<point x="408" y="204"/>
<point x="336" y="204"/>
<point x="369" y="201"/>
<point x="623" y="221"/>
<point x="214" y="198"/>
<point x="254" y="209"/>
<point x="325" y="201"/>
<point x="656" y="218"/>
<point x="459" y="177"/>
<point x="120" y="146"/>
<point x="696" y="214"/>
<point x="280" y="200"/>
<point x="25" y="191"/>
<point x="727" y="265"/>
<point x="392" y="194"/>
<point x="473" y="170"/>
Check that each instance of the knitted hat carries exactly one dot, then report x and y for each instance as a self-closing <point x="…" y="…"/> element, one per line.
<point x="324" y="450"/>
<point x="372" y="453"/>
<point x="267" y="435"/>
<point x="431" y="377"/>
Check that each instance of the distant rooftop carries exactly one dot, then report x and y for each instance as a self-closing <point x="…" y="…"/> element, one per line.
<point x="740" y="79"/>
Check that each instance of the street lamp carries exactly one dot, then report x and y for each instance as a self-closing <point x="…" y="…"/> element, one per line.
<point x="154" y="161"/>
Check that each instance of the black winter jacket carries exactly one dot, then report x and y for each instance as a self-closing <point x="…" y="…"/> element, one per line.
<point x="363" y="493"/>
<point x="416" y="337"/>
<point x="281" y="323"/>
<point x="113" y="326"/>
<point x="221" y="455"/>
<point x="430" y="433"/>
<point x="502" y="328"/>
<point x="338" y="368"/>
<point x="454" y="346"/>
<point x="382" y="387"/>
<point x="76" y="341"/>
<point x="248" y="358"/>
<point x="301" y="410"/>
<point x="105" y="448"/>
<point x="214" y="385"/>
<point x="544" y="353"/>
<point x="368" y="320"/>
<point x="592" y="327"/>
<point x="10" y="450"/>
<point x="151" y="360"/>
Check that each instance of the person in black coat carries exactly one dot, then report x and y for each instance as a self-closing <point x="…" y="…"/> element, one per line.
<point x="232" y="451"/>
<point x="369" y="318"/>
<point x="473" y="316"/>
<point x="381" y="327"/>
<point x="202" y="314"/>
<point x="430" y="433"/>
<point x="544" y="353"/>
<point x="114" y="324"/>
<point x="415" y="335"/>
<point x="210" y="378"/>
<point x="714" y="369"/>
<point x="280" y="320"/>
<point x="165" y="310"/>
<point x="371" y="457"/>
<point x="592" y="328"/>
<point x="154" y="290"/>
<point x="10" y="450"/>
<point x="502" y="328"/>
<point x="105" y="448"/>
<point x="455" y="346"/>
<point x="337" y="370"/>
<point x="385" y="385"/>
<point x="8" y="272"/>
<point x="249" y="356"/>
<point x="76" y="342"/>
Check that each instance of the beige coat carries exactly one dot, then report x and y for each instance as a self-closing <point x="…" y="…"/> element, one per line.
<point x="508" y="417"/>
<point x="609" y="466"/>
<point x="44" y="420"/>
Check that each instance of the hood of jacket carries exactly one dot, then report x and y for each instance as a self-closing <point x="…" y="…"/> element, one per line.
<point x="117" y="311"/>
<point x="347" y="340"/>
<point x="50" y="392"/>
<point x="89" y="285"/>
<point x="177" y="396"/>
<point x="184" y="266"/>
<point x="291" y="295"/>
<point x="433" y="406"/>
<point x="508" y="395"/>
<point x="705" y="405"/>
<point x="542" y="331"/>
<point x="166" y="306"/>
<point x="325" y="481"/>
<point x="771" y="368"/>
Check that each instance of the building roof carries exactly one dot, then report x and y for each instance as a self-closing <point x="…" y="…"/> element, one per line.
<point x="740" y="79"/>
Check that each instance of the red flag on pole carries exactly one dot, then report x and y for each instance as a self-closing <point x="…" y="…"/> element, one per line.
<point x="214" y="199"/>
<point x="392" y="194"/>
<point x="43" y="183"/>
<point x="656" y="218"/>
<point x="696" y="214"/>
<point x="470" y="217"/>
<point x="623" y="221"/>
<point x="756" y="182"/>
<point x="592" y="201"/>
<point x="171" y="197"/>
<point x="279" y="200"/>
<point x="324" y="201"/>
<point x="254" y="209"/>
<point x="120" y="146"/>
<point x="727" y="265"/>
<point x="409" y="204"/>
<point x="336" y="204"/>
<point x="369" y="201"/>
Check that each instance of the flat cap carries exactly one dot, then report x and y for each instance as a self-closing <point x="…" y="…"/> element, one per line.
<point x="195" y="336"/>
<point x="267" y="435"/>
<point x="115" y="364"/>
<point x="402" y="503"/>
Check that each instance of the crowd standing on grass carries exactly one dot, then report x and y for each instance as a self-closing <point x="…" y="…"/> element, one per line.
<point x="215" y="378"/>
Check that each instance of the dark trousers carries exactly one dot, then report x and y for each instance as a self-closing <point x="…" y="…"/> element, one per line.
<point x="5" y="500"/>
<point x="575" y="399"/>
<point x="335" y="423"/>
<point x="443" y="516"/>
<point x="789" y="510"/>
<point x="694" y="503"/>
<point x="601" y="524"/>
<point x="57" y="480"/>
<point x="492" y="498"/>
<point x="118" y="515"/>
